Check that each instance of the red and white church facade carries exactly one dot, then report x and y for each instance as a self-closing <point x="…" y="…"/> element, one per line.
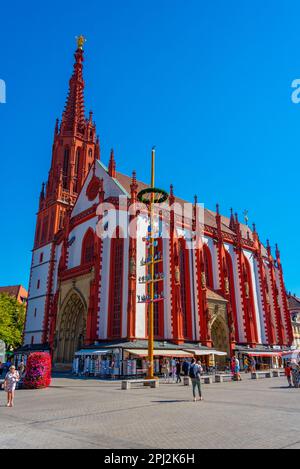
<point x="85" y="289"/>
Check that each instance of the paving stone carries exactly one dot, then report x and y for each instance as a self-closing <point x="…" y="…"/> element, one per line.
<point x="91" y="413"/>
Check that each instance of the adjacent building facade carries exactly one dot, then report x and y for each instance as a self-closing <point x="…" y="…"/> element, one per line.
<point x="86" y="289"/>
<point x="17" y="291"/>
<point x="294" y="307"/>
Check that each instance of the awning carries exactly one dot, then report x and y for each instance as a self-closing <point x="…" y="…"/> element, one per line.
<point x="92" y="352"/>
<point x="263" y="354"/>
<point x="199" y="352"/>
<point x="291" y="354"/>
<point x="161" y="353"/>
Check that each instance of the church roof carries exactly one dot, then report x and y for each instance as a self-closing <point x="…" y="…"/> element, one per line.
<point x="17" y="291"/>
<point x="12" y="290"/>
<point x="209" y="215"/>
<point x="215" y="296"/>
<point x="294" y="301"/>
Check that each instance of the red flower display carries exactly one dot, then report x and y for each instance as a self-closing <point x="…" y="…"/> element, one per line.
<point x="38" y="371"/>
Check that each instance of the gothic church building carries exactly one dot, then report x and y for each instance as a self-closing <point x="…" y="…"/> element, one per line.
<point x="84" y="290"/>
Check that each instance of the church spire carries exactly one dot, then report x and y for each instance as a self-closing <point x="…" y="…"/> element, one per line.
<point x="112" y="165"/>
<point x="232" y="224"/>
<point x="171" y="196"/>
<point x="74" y="150"/>
<point x="73" y="119"/>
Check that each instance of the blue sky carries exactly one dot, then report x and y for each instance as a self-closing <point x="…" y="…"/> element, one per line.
<point x="209" y="83"/>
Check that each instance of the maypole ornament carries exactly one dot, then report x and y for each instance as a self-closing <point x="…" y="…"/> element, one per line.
<point x="160" y="195"/>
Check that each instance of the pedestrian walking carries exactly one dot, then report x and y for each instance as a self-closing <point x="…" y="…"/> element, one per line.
<point x="173" y="369"/>
<point x="185" y="367"/>
<point x="295" y="374"/>
<point x="237" y="373"/>
<point x="247" y="365"/>
<point x="165" y="369"/>
<point x="253" y="365"/>
<point x="288" y="374"/>
<point x="21" y="368"/>
<point x="178" y="372"/>
<point x="195" y="375"/>
<point x="10" y="382"/>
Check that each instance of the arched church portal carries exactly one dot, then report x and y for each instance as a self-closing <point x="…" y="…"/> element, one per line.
<point x="71" y="329"/>
<point x="220" y="337"/>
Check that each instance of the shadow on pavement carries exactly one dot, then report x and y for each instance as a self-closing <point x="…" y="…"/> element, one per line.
<point x="281" y="387"/>
<point x="170" y="401"/>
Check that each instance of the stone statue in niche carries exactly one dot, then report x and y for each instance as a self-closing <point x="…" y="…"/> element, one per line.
<point x="226" y="285"/>
<point x="203" y="280"/>
<point x="177" y="275"/>
<point x="247" y="291"/>
<point x="132" y="266"/>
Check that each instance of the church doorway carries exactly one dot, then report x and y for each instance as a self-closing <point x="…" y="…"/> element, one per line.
<point x="220" y="338"/>
<point x="71" y="329"/>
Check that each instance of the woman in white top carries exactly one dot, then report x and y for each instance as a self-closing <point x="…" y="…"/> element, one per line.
<point x="10" y="383"/>
<point x="165" y="369"/>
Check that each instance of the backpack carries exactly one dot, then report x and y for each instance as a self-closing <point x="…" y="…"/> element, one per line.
<point x="192" y="373"/>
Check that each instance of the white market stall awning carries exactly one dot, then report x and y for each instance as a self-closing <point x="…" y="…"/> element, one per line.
<point x="199" y="352"/>
<point x="161" y="353"/>
<point x="291" y="354"/>
<point x="263" y="354"/>
<point x="92" y="352"/>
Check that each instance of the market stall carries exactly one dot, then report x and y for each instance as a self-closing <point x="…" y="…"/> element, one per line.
<point x="135" y="360"/>
<point x="130" y="358"/>
<point x="291" y="355"/>
<point x="260" y="360"/>
<point x="22" y="353"/>
<point x="208" y="357"/>
<point x="96" y="362"/>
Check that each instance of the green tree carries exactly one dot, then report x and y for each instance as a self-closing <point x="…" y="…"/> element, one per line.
<point x="12" y="319"/>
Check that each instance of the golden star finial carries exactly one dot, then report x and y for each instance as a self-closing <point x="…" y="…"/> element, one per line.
<point x="80" y="41"/>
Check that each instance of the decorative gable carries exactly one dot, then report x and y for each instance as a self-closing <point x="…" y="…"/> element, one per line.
<point x="88" y="195"/>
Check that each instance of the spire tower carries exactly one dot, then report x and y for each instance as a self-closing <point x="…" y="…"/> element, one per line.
<point x="73" y="119"/>
<point x="75" y="148"/>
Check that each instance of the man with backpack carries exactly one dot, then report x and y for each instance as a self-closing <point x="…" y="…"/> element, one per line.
<point x="195" y="375"/>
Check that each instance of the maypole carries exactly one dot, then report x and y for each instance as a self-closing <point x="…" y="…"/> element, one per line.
<point x="150" y="197"/>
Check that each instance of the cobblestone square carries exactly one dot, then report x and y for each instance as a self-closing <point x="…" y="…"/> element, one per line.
<point x="88" y="413"/>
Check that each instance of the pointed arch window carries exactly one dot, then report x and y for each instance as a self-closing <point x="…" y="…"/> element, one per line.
<point x="51" y="225"/>
<point x="76" y="169"/>
<point x="183" y="257"/>
<point x="158" y="309"/>
<point x="38" y="232"/>
<point x="208" y="266"/>
<point x="116" y="287"/>
<point x="45" y="229"/>
<point x="248" y="292"/>
<point x="230" y="277"/>
<point x="87" y="253"/>
<point x="61" y="219"/>
<point x="66" y="167"/>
